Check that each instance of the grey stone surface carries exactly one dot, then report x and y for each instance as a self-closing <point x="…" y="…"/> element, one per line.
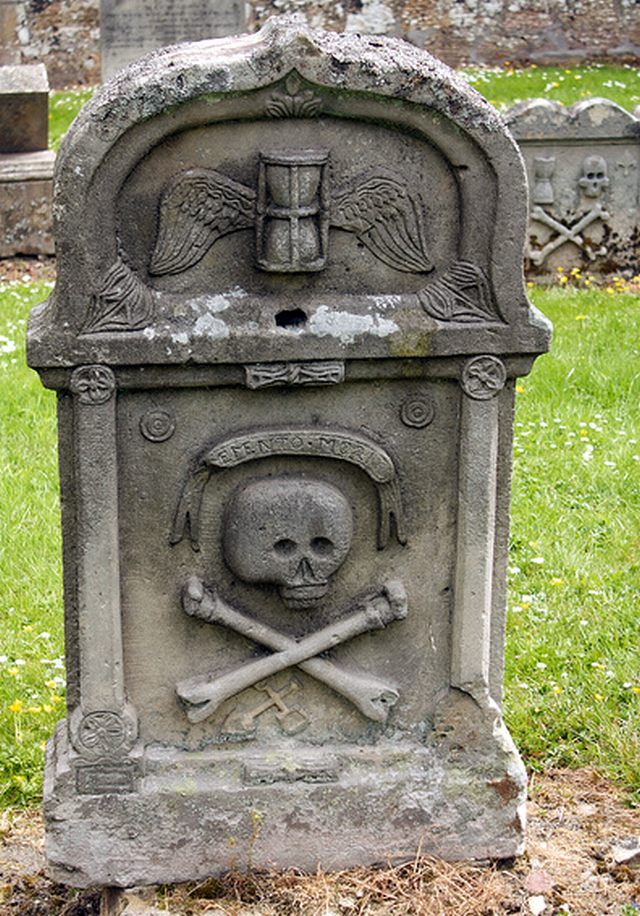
<point x="583" y="165"/>
<point x="131" y="28"/>
<point x="24" y="95"/>
<point x="26" y="203"/>
<point x="288" y="318"/>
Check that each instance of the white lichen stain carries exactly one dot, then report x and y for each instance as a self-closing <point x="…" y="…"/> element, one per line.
<point x="181" y="338"/>
<point x="387" y="302"/>
<point x="149" y="333"/>
<point x="598" y="114"/>
<point x="346" y="326"/>
<point x="218" y="302"/>
<point x="208" y="326"/>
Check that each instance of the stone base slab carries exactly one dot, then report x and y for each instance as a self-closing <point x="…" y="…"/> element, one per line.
<point x="26" y="197"/>
<point x="188" y="816"/>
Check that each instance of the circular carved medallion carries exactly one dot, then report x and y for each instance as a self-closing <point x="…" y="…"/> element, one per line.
<point x="483" y="377"/>
<point x="93" y="384"/>
<point x="417" y="412"/>
<point x="102" y="732"/>
<point x="157" y="425"/>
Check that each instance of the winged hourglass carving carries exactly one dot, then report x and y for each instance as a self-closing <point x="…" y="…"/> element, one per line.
<point x="291" y="212"/>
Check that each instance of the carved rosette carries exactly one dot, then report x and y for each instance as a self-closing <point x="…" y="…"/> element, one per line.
<point x="102" y="733"/>
<point x="157" y="425"/>
<point x="93" y="384"/>
<point x="483" y="377"/>
<point x="417" y="412"/>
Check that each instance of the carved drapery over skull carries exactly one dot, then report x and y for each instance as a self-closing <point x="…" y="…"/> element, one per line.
<point x="290" y="532"/>
<point x="594" y="177"/>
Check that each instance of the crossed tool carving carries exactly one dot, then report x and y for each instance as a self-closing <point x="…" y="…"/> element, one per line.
<point x="567" y="233"/>
<point x="374" y="698"/>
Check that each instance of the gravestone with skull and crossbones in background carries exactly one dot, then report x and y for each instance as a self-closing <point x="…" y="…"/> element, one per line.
<point x="284" y="336"/>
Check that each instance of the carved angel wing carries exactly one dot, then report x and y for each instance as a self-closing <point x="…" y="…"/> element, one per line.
<point x="386" y="218"/>
<point x="196" y="209"/>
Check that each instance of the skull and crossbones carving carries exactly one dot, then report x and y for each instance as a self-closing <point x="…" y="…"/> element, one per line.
<point x="293" y="533"/>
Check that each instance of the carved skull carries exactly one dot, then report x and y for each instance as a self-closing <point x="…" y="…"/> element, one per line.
<point x="594" y="176"/>
<point x="291" y="532"/>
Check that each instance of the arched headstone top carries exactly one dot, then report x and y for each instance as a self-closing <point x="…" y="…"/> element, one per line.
<point x="350" y="189"/>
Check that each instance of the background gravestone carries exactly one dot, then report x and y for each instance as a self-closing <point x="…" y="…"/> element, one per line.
<point x="583" y="164"/>
<point x="131" y="28"/>
<point x="284" y="335"/>
<point x="26" y="165"/>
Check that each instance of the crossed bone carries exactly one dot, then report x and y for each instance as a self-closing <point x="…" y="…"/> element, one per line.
<point x="566" y="233"/>
<point x="371" y="696"/>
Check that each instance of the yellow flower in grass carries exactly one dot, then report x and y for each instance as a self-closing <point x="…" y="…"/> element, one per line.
<point x="581" y="317"/>
<point x="47" y="708"/>
<point x="636" y="689"/>
<point x="16" y="706"/>
<point x="50" y="684"/>
<point x="598" y="697"/>
<point x="557" y="689"/>
<point x="28" y="628"/>
<point x="19" y="779"/>
<point x="56" y="699"/>
<point x="13" y="672"/>
<point x="34" y="709"/>
<point x="557" y="581"/>
<point x="519" y="389"/>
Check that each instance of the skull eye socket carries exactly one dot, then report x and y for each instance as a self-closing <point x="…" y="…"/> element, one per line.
<point x="321" y="546"/>
<point x="285" y="547"/>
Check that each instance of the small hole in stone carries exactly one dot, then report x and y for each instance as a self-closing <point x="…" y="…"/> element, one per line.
<point x="291" y="318"/>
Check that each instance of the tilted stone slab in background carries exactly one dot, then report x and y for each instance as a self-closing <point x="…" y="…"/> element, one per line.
<point x="583" y="165"/>
<point x="288" y="318"/>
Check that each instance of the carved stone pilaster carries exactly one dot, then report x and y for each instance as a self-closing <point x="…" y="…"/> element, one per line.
<point x="103" y="727"/>
<point x="483" y="377"/>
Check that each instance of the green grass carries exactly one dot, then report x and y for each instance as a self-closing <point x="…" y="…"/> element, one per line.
<point x="573" y="667"/>
<point x="504" y="87"/>
<point x="501" y="86"/>
<point x="63" y="107"/>
<point x="31" y="664"/>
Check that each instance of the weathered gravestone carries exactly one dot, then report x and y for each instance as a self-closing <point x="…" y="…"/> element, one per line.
<point x="26" y="165"/>
<point x="131" y="28"/>
<point x="288" y="317"/>
<point x="583" y="164"/>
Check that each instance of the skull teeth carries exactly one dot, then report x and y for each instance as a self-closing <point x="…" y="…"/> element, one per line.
<point x="303" y="596"/>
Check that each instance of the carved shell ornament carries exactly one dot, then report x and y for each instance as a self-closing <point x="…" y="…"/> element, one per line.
<point x="291" y="212"/>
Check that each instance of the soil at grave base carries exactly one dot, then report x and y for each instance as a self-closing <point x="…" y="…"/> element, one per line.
<point x="575" y="819"/>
